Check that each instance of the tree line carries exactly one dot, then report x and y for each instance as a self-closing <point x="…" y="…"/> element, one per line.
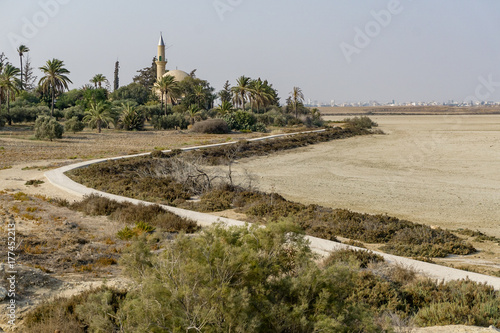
<point x="251" y="104"/>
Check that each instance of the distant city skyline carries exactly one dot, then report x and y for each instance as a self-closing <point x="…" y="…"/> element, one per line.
<point x="347" y="51"/>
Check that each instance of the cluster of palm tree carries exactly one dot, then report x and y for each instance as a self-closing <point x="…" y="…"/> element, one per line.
<point x="54" y="82"/>
<point x="98" y="80"/>
<point x="259" y="93"/>
<point x="9" y="85"/>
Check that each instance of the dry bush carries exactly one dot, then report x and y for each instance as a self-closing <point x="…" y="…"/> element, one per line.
<point x="362" y="122"/>
<point x="360" y="258"/>
<point x="211" y="126"/>
<point x="129" y="213"/>
<point x="96" y="205"/>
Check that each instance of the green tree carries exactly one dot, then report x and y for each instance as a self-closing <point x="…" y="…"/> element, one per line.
<point x="169" y="90"/>
<point x="297" y="97"/>
<point x="133" y="91"/>
<point x="196" y="91"/>
<point x="29" y="76"/>
<point x="147" y="76"/>
<point x="260" y="93"/>
<point x="116" y="81"/>
<point x="70" y="98"/>
<point x="225" y="94"/>
<point x="241" y="90"/>
<point x="97" y="115"/>
<point x="9" y="85"/>
<point x="239" y="279"/>
<point x="98" y="80"/>
<point x="199" y="94"/>
<point x="22" y="49"/>
<point x="54" y="80"/>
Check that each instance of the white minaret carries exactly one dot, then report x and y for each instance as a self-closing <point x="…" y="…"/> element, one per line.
<point x="161" y="63"/>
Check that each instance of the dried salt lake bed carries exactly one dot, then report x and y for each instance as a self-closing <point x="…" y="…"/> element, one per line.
<point x="437" y="170"/>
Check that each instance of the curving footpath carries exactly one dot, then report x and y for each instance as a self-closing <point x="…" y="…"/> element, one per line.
<point x="58" y="178"/>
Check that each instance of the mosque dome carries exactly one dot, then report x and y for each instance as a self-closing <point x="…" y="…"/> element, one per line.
<point x="177" y="74"/>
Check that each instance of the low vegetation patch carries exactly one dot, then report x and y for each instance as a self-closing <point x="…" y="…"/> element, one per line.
<point x="362" y="122"/>
<point x="146" y="218"/>
<point x="359" y="258"/>
<point x="224" y="154"/>
<point x="263" y="280"/>
<point x="34" y="182"/>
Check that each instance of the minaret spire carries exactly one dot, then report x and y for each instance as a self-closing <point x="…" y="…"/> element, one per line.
<point x="162" y="62"/>
<point x="161" y="42"/>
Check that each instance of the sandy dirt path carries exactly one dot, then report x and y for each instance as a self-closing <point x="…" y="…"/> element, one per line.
<point x="438" y="170"/>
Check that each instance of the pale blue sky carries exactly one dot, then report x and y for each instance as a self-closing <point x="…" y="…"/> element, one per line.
<point x="430" y="49"/>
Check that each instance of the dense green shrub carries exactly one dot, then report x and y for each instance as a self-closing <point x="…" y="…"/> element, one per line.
<point x="211" y="126"/>
<point x="242" y="280"/>
<point x="2" y="121"/>
<point x="74" y="111"/>
<point x="74" y="125"/>
<point x="240" y="120"/>
<point x="48" y="128"/>
<point x="454" y="303"/>
<point x="150" y="110"/>
<point x="171" y="121"/>
<point x="21" y="114"/>
<point x="69" y="99"/>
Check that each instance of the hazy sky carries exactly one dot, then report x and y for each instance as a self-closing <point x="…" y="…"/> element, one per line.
<point x="347" y="50"/>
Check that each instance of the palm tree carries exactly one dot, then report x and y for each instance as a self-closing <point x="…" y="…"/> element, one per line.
<point x="297" y="97"/>
<point x="225" y="107"/>
<point x="192" y="111"/>
<point x="199" y="94"/>
<point x="55" y="79"/>
<point x="98" y="79"/>
<point x="9" y="83"/>
<point x="97" y="115"/>
<point x="260" y="93"/>
<point x="22" y="49"/>
<point x="169" y="90"/>
<point x="131" y="118"/>
<point x="241" y="90"/>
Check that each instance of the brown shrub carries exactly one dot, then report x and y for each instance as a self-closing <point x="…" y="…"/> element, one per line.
<point x="359" y="257"/>
<point x="211" y="126"/>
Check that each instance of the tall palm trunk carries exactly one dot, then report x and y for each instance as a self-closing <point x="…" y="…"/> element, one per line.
<point x="162" y="102"/>
<point x="21" y="59"/>
<point x="52" y="105"/>
<point x="9" y="118"/>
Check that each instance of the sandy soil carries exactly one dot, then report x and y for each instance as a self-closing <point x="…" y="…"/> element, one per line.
<point x="438" y="170"/>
